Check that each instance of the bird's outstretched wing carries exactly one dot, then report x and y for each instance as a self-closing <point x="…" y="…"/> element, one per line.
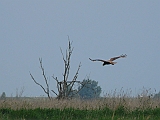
<point x="97" y="60"/>
<point x="121" y="56"/>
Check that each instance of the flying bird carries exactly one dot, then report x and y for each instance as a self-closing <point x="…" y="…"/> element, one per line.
<point x="110" y="61"/>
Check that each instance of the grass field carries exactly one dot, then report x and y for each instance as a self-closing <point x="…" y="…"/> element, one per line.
<point x="109" y="108"/>
<point x="120" y="113"/>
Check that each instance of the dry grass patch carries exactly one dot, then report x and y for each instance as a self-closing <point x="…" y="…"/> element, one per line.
<point x="112" y="103"/>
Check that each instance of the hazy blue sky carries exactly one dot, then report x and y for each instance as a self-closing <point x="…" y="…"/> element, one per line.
<point x="31" y="29"/>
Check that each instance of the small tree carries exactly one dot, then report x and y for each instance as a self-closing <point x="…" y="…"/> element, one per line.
<point x="64" y="87"/>
<point x="157" y="95"/>
<point x="3" y="96"/>
<point x="90" y="90"/>
<point x="19" y="93"/>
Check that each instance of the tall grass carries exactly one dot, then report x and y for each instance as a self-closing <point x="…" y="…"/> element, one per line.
<point x="112" y="106"/>
<point x="109" y="102"/>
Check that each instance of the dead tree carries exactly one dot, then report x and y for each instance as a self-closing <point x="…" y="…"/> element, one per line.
<point x="64" y="87"/>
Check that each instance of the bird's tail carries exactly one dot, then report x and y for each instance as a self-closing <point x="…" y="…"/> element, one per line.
<point x="114" y="63"/>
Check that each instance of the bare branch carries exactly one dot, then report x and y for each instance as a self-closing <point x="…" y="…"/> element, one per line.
<point x="74" y="79"/>
<point x="43" y="73"/>
<point x="63" y="56"/>
<point x="54" y="92"/>
<point x="46" y="81"/>
<point x="66" y="64"/>
<point x="38" y="83"/>
<point x="83" y="85"/>
<point x="76" y="75"/>
<point x="55" y="78"/>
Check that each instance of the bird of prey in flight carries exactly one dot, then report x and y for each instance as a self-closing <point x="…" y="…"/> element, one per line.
<point x="110" y="61"/>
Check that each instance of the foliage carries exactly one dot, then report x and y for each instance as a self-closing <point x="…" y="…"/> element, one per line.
<point x="72" y="93"/>
<point x="90" y="90"/>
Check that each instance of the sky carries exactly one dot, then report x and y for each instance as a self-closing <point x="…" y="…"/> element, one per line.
<point x="31" y="29"/>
